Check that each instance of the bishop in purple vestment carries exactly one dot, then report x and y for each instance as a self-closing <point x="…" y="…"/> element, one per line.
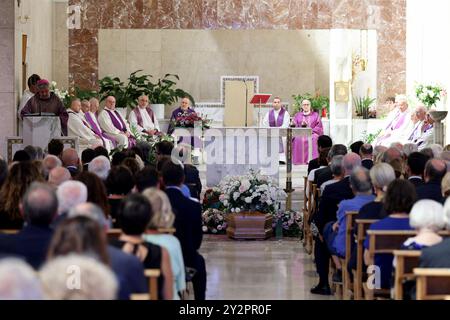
<point x="306" y="119"/>
<point x="182" y="111"/>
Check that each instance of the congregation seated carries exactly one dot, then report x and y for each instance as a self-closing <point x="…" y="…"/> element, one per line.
<point x="19" y="178"/>
<point x="71" y="161"/>
<point x="100" y="166"/>
<point x="58" y="176"/>
<point x="337" y="171"/>
<point x="445" y="186"/>
<point x="26" y="285"/>
<point x="435" y="170"/>
<point x="147" y="178"/>
<point x="55" y="147"/>
<point x="86" y="157"/>
<point x="323" y="175"/>
<point x="134" y="215"/>
<point x="409" y="148"/>
<point x="21" y="156"/>
<point x="101" y="151"/>
<point x="39" y="207"/>
<point x="163" y="218"/>
<point x="399" y="199"/>
<point x="69" y="194"/>
<point x="366" y="153"/>
<point x="415" y="168"/>
<point x="119" y="184"/>
<point x="323" y="142"/>
<point x="49" y="163"/>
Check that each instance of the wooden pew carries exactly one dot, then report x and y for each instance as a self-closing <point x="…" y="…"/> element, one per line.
<point x="152" y="275"/>
<point x="406" y="261"/>
<point x="384" y="242"/>
<point x="9" y="231"/>
<point x="346" y="282"/>
<point x="432" y="284"/>
<point x="312" y="207"/>
<point x="362" y="225"/>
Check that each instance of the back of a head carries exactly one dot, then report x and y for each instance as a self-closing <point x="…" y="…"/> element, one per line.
<point x="337" y="150"/>
<point x="134" y="214"/>
<point x="381" y="175"/>
<point x="351" y="161"/>
<point x="70" y="157"/>
<point x="21" y="156"/>
<point x="55" y="147"/>
<point x="164" y="148"/>
<point x="435" y="170"/>
<point x="410" y="148"/>
<point x="445" y="155"/>
<point x="163" y="216"/>
<point x="356" y="146"/>
<point x="32" y="152"/>
<point x="118" y="158"/>
<point x="324" y="141"/>
<point x="366" y="150"/>
<point x="416" y="163"/>
<point x="147" y="178"/>
<point x="101" y="151"/>
<point x="428" y="152"/>
<point x="58" y="176"/>
<point x="437" y="150"/>
<point x="427" y="214"/>
<point x="51" y="162"/>
<point x="360" y="180"/>
<point x="87" y="155"/>
<point x="337" y="166"/>
<point x="100" y="166"/>
<point x="132" y="164"/>
<point x="40" y="205"/>
<point x="120" y="181"/>
<point x="98" y="281"/>
<point x="33" y="80"/>
<point x="400" y="197"/>
<point x="391" y="154"/>
<point x="91" y="211"/>
<point x="70" y="194"/>
<point x="18" y="281"/>
<point x="323" y="156"/>
<point x="173" y="174"/>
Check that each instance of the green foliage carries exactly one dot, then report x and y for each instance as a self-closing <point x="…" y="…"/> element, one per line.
<point x="161" y="92"/>
<point x="83" y="94"/>
<point x="362" y="106"/>
<point x="318" y="102"/>
<point x="371" y="137"/>
<point x="429" y="95"/>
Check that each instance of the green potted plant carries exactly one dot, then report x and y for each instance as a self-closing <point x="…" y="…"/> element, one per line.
<point x="362" y="106"/>
<point x="319" y="103"/>
<point x="164" y="93"/>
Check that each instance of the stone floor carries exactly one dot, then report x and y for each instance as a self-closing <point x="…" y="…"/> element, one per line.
<point x="258" y="270"/>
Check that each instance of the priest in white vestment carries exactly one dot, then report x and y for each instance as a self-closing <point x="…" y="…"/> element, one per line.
<point x="396" y="128"/>
<point x="78" y="127"/>
<point x="278" y="117"/>
<point x="143" y="118"/>
<point x="90" y="109"/>
<point x="426" y="138"/>
<point x="417" y="121"/>
<point x="113" y="124"/>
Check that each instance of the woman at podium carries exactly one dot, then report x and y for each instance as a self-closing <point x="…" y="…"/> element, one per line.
<point x="306" y="118"/>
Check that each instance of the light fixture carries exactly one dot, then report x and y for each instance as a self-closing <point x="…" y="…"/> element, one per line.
<point x="24" y="19"/>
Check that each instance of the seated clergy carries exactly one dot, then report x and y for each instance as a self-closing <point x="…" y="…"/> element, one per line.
<point x="46" y="102"/>
<point x="426" y="136"/>
<point x="115" y="125"/>
<point x="78" y="127"/>
<point x="418" y="119"/>
<point x="90" y="109"/>
<point x="143" y="118"/>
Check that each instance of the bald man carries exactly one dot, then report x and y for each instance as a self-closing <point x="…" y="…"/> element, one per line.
<point x="143" y="117"/>
<point x="58" y="176"/>
<point x="78" y="127"/>
<point x="49" y="163"/>
<point x="435" y="171"/>
<point x="113" y="124"/>
<point x="71" y="161"/>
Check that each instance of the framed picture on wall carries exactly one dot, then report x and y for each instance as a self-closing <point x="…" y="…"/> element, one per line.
<point x="341" y="91"/>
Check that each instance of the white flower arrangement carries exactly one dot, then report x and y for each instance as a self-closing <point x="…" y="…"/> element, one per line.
<point x="429" y="95"/>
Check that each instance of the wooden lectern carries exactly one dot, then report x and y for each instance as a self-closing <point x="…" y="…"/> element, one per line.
<point x="38" y="130"/>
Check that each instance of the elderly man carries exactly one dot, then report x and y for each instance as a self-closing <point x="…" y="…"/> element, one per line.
<point x="58" y="176"/>
<point x="46" y="102"/>
<point x="90" y="109"/>
<point x="184" y="110"/>
<point x="426" y="136"/>
<point x="143" y="118"/>
<point x="69" y="194"/>
<point x="71" y="161"/>
<point x="328" y="206"/>
<point x="435" y="171"/>
<point x="115" y="125"/>
<point x="419" y="117"/>
<point x="78" y="127"/>
<point x="396" y="127"/>
<point x="100" y="166"/>
<point x="49" y="163"/>
<point x="39" y="207"/>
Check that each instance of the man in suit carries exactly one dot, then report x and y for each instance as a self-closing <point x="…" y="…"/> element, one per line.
<point x="39" y="206"/>
<point x="435" y="170"/>
<point x="366" y="153"/>
<point x="71" y="161"/>
<point x="323" y="175"/>
<point x="323" y="142"/>
<point x="415" y="167"/>
<point x="328" y="205"/>
<point x="188" y="225"/>
<point x="191" y="173"/>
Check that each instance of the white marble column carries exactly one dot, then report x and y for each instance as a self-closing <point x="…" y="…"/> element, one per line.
<point x="7" y="67"/>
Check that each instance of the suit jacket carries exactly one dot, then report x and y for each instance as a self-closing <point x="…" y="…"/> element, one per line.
<point x="367" y="163"/>
<point x="192" y="180"/>
<point x="437" y="256"/>
<point x="322" y="176"/>
<point x="416" y="182"/>
<point x="31" y="243"/>
<point x="313" y="164"/>
<point x="129" y="272"/>
<point x="329" y="201"/>
<point x="431" y="190"/>
<point x="188" y="225"/>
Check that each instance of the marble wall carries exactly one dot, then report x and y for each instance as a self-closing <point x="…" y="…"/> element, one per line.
<point x="299" y="59"/>
<point x="388" y="17"/>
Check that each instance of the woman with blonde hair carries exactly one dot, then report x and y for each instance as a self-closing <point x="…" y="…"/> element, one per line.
<point x="163" y="218"/>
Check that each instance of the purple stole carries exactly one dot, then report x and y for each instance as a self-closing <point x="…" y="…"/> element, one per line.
<point x="120" y="125"/>
<point x="97" y="130"/>
<point x="277" y="123"/>
<point x="139" y="117"/>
